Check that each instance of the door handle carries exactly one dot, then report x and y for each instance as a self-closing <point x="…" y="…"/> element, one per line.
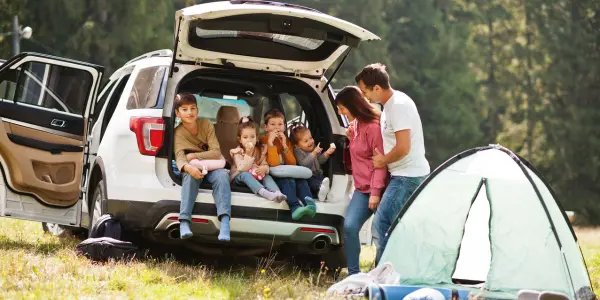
<point x="58" y="123"/>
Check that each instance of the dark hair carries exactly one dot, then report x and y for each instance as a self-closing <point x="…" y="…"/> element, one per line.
<point x="246" y="122"/>
<point x="295" y="130"/>
<point x="273" y="113"/>
<point x="184" y="99"/>
<point x="352" y="98"/>
<point x="372" y="75"/>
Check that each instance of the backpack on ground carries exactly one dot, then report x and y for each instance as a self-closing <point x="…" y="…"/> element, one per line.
<point x="104" y="242"/>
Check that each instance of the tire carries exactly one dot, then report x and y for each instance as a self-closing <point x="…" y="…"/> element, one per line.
<point x="98" y="207"/>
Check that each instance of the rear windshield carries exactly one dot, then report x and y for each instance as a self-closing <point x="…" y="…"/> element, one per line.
<point x="289" y="40"/>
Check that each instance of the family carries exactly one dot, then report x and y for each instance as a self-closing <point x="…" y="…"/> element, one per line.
<point x="386" y="149"/>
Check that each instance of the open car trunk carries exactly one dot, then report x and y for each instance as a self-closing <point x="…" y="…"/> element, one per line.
<point x="223" y="96"/>
<point x="263" y="35"/>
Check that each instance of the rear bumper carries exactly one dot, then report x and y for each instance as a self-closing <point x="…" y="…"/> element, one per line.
<point x="251" y="224"/>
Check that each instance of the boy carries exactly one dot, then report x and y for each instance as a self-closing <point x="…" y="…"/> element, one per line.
<point x="195" y="139"/>
<point x="280" y="152"/>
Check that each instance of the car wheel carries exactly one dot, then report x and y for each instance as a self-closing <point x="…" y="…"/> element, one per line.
<point x="61" y="231"/>
<point x="98" y="206"/>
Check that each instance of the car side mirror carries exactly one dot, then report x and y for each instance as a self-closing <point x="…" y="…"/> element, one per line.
<point x="9" y="75"/>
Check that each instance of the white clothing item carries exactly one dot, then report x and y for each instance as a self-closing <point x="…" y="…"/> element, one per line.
<point x="400" y="113"/>
<point x="425" y="294"/>
<point x="358" y="283"/>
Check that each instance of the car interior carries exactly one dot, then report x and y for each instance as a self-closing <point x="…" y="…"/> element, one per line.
<point x="225" y="99"/>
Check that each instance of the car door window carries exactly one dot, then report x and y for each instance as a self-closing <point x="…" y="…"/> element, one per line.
<point x="293" y="111"/>
<point x="53" y="87"/>
<point x="102" y="100"/>
<point x="146" y="88"/>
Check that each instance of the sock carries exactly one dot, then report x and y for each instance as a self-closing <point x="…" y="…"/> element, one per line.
<point x="224" y="232"/>
<point x="184" y="230"/>
<point x="310" y="202"/>
<point x="280" y="197"/>
<point x="324" y="190"/>
<point x="267" y="194"/>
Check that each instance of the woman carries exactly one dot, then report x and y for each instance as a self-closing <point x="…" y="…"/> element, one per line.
<point x="364" y="134"/>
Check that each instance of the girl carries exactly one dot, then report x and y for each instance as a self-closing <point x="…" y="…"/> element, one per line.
<point x="279" y="152"/>
<point x="309" y="155"/>
<point x="250" y="165"/>
<point x="364" y="134"/>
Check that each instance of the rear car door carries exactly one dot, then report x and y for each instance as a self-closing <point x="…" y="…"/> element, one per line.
<point x="44" y="108"/>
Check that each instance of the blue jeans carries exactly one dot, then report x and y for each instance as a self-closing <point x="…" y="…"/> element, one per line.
<point x="397" y="192"/>
<point x="356" y="216"/>
<point x="315" y="183"/>
<point x="221" y="191"/>
<point x="294" y="189"/>
<point x="254" y="184"/>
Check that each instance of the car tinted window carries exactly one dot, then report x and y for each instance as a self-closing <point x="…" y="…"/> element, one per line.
<point x="50" y="86"/>
<point x="146" y="88"/>
<point x="209" y="106"/>
<point x="293" y="111"/>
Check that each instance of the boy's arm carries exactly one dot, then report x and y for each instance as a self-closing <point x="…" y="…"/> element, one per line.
<point x="180" y="158"/>
<point x="289" y="157"/>
<point x="206" y="131"/>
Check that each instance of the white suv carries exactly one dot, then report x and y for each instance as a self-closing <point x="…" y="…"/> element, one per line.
<point x="70" y="152"/>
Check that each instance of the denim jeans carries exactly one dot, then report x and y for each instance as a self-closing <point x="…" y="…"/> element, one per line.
<point x="221" y="191"/>
<point x="294" y="189"/>
<point x="397" y="192"/>
<point x="254" y="184"/>
<point x="315" y="183"/>
<point x="356" y="216"/>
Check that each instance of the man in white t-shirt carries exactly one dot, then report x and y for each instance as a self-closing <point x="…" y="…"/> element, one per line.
<point x="403" y="146"/>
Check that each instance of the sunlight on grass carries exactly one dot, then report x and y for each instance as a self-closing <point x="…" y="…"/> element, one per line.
<point x="37" y="265"/>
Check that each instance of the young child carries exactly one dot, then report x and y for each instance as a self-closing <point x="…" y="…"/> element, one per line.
<point x="279" y="152"/>
<point x="196" y="139"/>
<point x="309" y="155"/>
<point x="250" y="163"/>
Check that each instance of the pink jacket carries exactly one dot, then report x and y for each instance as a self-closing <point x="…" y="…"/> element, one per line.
<point x="363" y="139"/>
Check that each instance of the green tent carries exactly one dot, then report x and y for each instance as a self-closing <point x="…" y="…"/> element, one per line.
<point x="486" y="219"/>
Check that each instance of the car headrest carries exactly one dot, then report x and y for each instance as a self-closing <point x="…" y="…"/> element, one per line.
<point x="228" y="115"/>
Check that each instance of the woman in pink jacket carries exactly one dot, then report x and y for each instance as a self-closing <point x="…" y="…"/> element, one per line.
<point x="364" y="133"/>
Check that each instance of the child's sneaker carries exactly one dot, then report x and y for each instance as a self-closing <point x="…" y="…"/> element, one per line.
<point x="324" y="190"/>
<point x="312" y="205"/>
<point x="300" y="212"/>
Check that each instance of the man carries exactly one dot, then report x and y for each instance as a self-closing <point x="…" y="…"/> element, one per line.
<point x="403" y="146"/>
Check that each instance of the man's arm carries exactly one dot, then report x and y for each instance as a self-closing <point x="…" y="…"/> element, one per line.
<point x="401" y="149"/>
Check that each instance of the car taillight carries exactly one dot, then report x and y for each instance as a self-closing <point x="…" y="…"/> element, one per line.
<point x="149" y="133"/>
<point x="347" y="160"/>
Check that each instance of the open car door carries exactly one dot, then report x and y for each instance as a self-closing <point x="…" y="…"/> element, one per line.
<point x="44" y="106"/>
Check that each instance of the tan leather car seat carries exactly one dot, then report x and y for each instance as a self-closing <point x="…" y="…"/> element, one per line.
<point x="228" y="118"/>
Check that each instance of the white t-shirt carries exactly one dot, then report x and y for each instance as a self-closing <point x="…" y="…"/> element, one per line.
<point x="400" y="113"/>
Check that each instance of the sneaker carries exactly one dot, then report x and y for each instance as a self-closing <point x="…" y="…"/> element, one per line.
<point x="300" y="212"/>
<point x="324" y="190"/>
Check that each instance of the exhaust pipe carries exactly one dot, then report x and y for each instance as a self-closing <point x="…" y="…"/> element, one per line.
<point x="320" y="243"/>
<point x="173" y="233"/>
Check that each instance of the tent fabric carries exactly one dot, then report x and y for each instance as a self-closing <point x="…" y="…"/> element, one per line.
<point x="486" y="216"/>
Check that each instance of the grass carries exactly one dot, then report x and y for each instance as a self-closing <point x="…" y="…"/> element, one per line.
<point x="35" y="265"/>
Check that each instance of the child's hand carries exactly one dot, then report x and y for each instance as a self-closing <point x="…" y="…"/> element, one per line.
<point x="271" y="138"/>
<point x="193" y="171"/>
<point x="317" y="150"/>
<point x="262" y="170"/>
<point x="329" y="151"/>
<point x="283" y="138"/>
<point x="350" y="130"/>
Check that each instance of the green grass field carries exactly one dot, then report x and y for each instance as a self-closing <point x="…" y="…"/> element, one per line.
<point x="34" y="265"/>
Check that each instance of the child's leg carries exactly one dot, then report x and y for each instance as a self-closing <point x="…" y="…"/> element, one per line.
<point x="288" y="187"/>
<point x="270" y="185"/>
<point x="255" y="186"/>
<point x="189" y="191"/>
<point x="323" y="187"/>
<point x="315" y="183"/>
<point x="222" y="194"/>
<point x="303" y="191"/>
